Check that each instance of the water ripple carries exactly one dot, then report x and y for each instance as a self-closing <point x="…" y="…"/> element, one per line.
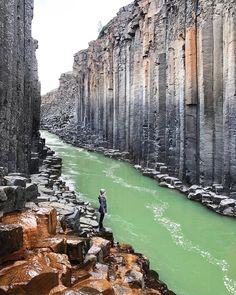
<point x="116" y="179"/>
<point x="179" y="239"/>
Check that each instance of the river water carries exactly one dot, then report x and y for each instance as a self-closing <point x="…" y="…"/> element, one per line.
<point x="192" y="248"/>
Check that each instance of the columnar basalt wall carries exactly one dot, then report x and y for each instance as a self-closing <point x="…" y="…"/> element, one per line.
<point x="19" y="86"/>
<point x="55" y="107"/>
<point x="160" y="82"/>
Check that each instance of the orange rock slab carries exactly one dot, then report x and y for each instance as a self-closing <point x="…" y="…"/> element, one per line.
<point x="90" y="286"/>
<point x="35" y="276"/>
<point x="37" y="224"/>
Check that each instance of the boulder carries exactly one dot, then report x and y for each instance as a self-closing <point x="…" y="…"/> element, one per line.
<point x="193" y="188"/>
<point x="126" y="290"/>
<point x="227" y="203"/>
<point x="16" y="181"/>
<point x="11" y="238"/>
<point x="230" y="211"/>
<point x="71" y="221"/>
<point x="62" y="209"/>
<point x="76" y="249"/>
<point x="46" y="191"/>
<point x="165" y="184"/>
<point x="12" y="198"/>
<point x="134" y="278"/>
<point x="107" y="234"/>
<point x="94" y="287"/>
<point x="90" y="222"/>
<point x="100" y="248"/>
<point x="160" y="177"/>
<point x="37" y="275"/>
<point x="197" y="195"/>
<point x="100" y="271"/>
<point x="137" y="167"/>
<point x="216" y="199"/>
<point x="37" y="225"/>
<point x="150" y="173"/>
<point x="31" y="192"/>
<point x="171" y="180"/>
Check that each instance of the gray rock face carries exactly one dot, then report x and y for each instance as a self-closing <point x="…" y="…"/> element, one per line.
<point x="31" y="192"/>
<point x="11" y="239"/>
<point x="16" y="181"/>
<point x="159" y="83"/>
<point x="11" y="198"/>
<point x="19" y="86"/>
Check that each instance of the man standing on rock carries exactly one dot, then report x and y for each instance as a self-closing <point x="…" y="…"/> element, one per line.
<point x="103" y="207"/>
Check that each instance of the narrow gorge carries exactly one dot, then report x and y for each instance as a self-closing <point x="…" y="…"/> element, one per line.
<point x="154" y="95"/>
<point x="159" y="83"/>
<point x="50" y="240"/>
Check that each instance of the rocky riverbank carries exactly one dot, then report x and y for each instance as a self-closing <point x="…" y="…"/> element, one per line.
<point x="159" y="82"/>
<point x="50" y="242"/>
<point x="211" y="197"/>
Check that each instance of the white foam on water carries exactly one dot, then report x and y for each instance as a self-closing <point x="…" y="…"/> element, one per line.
<point x="92" y="157"/>
<point x="179" y="239"/>
<point x="116" y="179"/>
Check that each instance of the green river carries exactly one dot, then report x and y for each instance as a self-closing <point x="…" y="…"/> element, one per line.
<point x="192" y="248"/>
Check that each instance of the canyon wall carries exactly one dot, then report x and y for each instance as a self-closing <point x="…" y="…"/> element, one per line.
<point x="160" y="83"/>
<point x="19" y="86"/>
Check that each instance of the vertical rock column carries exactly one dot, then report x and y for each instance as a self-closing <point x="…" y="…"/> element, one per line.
<point x="159" y="82"/>
<point x="19" y="87"/>
<point x="191" y="101"/>
<point x="229" y="108"/>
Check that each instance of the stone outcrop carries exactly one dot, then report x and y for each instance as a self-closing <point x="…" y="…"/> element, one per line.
<point x="53" y="246"/>
<point x="159" y="83"/>
<point x="19" y="87"/>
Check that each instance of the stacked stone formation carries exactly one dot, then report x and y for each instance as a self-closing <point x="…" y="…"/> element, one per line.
<point x="159" y="82"/>
<point x="19" y="86"/>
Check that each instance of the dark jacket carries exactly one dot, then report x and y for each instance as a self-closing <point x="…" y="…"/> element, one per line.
<point x="103" y="204"/>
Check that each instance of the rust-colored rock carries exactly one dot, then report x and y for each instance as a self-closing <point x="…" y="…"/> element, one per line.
<point x="100" y="248"/>
<point x="41" y="265"/>
<point x="37" y="275"/>
<point x="37" y="225"/>
<point x="102" y="286"/>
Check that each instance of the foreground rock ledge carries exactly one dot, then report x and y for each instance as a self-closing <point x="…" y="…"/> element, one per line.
<point x="49" y="261"/>
<point x="51" y="244"/>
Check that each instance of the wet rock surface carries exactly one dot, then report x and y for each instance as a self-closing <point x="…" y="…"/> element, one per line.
<point x="54" y="246"/>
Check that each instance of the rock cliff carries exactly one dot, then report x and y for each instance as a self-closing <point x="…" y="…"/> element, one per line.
<point x="160" y="83"/>
<point x="19" y="87"/>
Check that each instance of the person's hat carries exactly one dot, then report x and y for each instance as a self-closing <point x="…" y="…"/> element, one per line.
<point x="102" y="190"/>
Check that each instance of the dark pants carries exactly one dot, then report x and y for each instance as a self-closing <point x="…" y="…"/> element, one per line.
<point x="101" y="220"/>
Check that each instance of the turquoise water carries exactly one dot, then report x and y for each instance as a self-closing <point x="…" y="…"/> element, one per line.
<point x="192" y="248"/>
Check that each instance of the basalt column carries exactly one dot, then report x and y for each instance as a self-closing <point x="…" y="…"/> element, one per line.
<point x="19" y="86"/>
<point x="159" y="83"/>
